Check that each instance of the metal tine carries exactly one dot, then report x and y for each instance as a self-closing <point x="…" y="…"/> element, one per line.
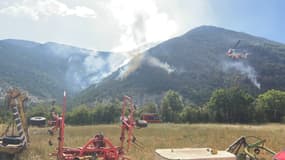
<point x="138" y="146"/>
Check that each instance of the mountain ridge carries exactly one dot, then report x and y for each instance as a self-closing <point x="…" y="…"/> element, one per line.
<point x="194" y="64"/>
<point x="46" y="69"/>
<point x="199" y="56"/>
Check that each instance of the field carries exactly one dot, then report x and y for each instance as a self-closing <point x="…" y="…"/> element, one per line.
<point x="218" y="136"/>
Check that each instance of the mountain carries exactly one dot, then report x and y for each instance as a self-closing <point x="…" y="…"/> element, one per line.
<point x="45" y="70"/>
<point x="195" y="64"/>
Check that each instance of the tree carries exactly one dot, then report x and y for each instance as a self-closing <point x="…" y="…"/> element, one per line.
<point x="79" y="115"/>
<point x="189" y="114"/>
<point x="231" y="105"/>
<point x="106" y="113"/>
<point x="194" y="114"/>
<point x="270" y="106"/>
<point x="149" y="108"/>
<point x="172" y="105"/>
<point x="42" y="110"/>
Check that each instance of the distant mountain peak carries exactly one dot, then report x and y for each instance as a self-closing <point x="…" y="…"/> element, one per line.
<point x="206" y="29"/>
<point x="65" y="50"/>
<point x="20" y="43"/>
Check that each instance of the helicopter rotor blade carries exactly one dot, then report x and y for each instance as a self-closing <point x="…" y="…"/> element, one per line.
<point x="238" y="42"/>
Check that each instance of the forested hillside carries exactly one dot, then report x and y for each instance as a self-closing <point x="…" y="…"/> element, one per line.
<point x="195" y="64"/>
<point x="45" y="70"/>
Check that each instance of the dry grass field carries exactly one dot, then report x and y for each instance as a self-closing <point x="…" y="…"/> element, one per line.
<point x="217" y="136"/>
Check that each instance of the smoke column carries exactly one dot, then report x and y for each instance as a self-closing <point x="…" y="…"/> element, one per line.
<point x="140" y="59"/>
<point x="243" y="69"/>
<point x="157" y="63"/>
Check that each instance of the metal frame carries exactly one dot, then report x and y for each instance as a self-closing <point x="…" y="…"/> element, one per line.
<point x="100" y="146"/>
<point x="15" y="101"/>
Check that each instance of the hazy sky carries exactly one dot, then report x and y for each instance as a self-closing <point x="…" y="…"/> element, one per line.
<point x="125" y="24"/>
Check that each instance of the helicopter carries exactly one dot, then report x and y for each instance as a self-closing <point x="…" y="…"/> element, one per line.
<point x="236" y="54"/>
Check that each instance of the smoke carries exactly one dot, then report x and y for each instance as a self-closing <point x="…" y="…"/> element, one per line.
<point x="140" y="59"/>
<point x="132" y="66"/>
<point x="86" y="68"/>
<point x="243" y="69"/>
<point x="135" y="58"/>
<point x="157" y="63"/>
<point x="96" y="68"/>
<point x="93" y="63"/>
<point x="140" y="22"/>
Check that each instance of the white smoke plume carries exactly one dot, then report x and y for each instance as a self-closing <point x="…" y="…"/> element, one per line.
<point x="93" y="63"/>
<point x="140" y="22"/>
<point x="96" y="68"/>
<point x="132" y="66"/>
<point x="84" y="71"/>
<point x="157" y="63"/>
<point x="245" y="70"/>
<point x="137" y="62"/>
<point x="134" y="60"/>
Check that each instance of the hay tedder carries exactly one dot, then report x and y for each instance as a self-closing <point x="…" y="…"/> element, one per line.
<point x="100" y="147"/>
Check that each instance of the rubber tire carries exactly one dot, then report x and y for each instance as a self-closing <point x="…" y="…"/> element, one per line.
<point x="141" y="123"/>
<point x="38" y="121"/>
<point x="15" y="140"/>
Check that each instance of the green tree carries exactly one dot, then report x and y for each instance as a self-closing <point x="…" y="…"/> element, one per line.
<point x="172" y="105"/>
<point x="101" y="113"/>
<point x="79" y="115"/>
<point x="41" y="110"/>
<point x="231" y="105"/>
<point x="106" y="113"/>
<point x="189" y="114"/>
<point x="270" y="106"/>
<point x="194" y="114"/>
<point x="149" y="108"/>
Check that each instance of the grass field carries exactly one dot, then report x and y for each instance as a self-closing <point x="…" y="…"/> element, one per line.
<point x="217" y="136"/>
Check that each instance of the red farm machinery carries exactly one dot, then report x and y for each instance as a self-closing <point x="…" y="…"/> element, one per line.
<point x="100" y="147"/>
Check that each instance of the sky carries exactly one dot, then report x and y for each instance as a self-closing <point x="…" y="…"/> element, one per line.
<point x="122" y="25"/>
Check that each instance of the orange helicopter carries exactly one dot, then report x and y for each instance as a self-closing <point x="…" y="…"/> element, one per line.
<point x="235" y="53"/>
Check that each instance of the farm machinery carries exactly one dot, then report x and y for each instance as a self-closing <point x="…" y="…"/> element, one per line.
<point x="244" y="148"/>
<point x="15" y="137"/>
<point x="249" y="148"/>
<point x="99" y="146"/>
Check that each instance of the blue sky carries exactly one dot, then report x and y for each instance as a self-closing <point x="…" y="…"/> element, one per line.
<point x="125" y="24"/>
<point x="265" y="18"/>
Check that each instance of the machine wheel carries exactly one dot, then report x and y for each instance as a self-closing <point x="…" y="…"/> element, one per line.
<point x="15" y="140"/>
<point x="38" y="121"/>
